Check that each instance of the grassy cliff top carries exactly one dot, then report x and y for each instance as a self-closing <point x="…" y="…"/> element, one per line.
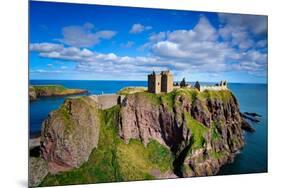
<point x="168" y="99"/>
<point x="131" y="90"/>
<point x="50" y="90"/>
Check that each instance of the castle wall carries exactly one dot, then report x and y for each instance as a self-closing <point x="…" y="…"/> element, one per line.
<point x="106" y="101"/>
<point x="213" y="88"/>
<point x="167" y="83"/>
<point x="154" y="83"/>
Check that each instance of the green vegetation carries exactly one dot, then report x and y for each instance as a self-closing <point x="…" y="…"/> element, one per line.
<point x="198" y="131"/>
<point x="53" y="90"/>
<point x="168" y="99"/>
<point x="215" y="134"/>
<point x="131" y="90"/>
<point x="114" y="160"/>
<point x="223" y="95"/>
<point x="217" y="155"/>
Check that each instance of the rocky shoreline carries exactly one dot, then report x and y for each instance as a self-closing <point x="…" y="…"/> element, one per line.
<point x="191" y="133"/>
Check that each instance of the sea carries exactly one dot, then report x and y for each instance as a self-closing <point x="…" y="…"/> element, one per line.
<point x="253" y="158"/>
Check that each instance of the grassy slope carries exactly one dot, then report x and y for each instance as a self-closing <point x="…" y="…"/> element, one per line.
<point x="114" y="160"/>
<point x="54" y="89"/>
<point x="131" y="90"/>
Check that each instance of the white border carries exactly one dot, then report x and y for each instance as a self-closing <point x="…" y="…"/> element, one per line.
<point x="13" y="119"/>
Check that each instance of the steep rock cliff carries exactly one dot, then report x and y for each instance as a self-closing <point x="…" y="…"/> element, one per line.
<point x="69" y="134"/>
<point x="202" y="129"/>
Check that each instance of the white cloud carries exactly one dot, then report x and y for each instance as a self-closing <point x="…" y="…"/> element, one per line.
<point x="239" y="30"/>
<point x="253" y="23"/>
<point x="45" y="47"/>
<point x="138" y="28"/>
<point x="45" y="71"/>
<point x="201" y="49"/>
<point x="83" y="36"/>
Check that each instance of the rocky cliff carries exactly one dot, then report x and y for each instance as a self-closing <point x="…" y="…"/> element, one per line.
<point x="202" y="129"/>
<point x="70" y="134"/>
<point x="181" y="134"/>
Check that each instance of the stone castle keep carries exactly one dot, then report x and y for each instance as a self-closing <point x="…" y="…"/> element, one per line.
<point x="162" y="82"/>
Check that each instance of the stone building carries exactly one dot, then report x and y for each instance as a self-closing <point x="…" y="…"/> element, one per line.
<point x="166" y="81"/>
<point x="154" y="83"/>
<point x="217" y="87"/>
<point x="162" y="82"/>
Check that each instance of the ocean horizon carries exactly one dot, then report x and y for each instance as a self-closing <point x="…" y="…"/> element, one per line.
<point x="48" y="80"/>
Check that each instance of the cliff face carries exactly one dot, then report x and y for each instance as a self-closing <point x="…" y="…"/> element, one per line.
<point x="203" y="130"/>
<point x="181" y="134"/>
<point x="70" y="134"/>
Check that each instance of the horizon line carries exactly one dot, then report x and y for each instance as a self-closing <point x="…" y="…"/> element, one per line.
<point x="143" y="81"/>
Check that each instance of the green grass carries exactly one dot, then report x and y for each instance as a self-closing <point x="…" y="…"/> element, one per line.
<point x="136" y="162"/>
<point x="114" y="160"/>
<point x="198" y="131"/>
<point x="131" y="90"/>
<point x="49" y="90"/>
<point x="224" y="95"/>
<point x="216" y="155"/>
<point x="215" y="134"/>
<point x="55" y="88"/>
<point x="168" y="100"/>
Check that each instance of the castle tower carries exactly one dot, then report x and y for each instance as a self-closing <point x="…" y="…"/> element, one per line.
<point x="166" y="81"/>
<point x="154" y="83"/>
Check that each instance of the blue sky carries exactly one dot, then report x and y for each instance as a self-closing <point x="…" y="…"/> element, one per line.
<point x="93" y="42"/>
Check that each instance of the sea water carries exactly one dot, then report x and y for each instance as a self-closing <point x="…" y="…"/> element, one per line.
<point x="251" y="97"/>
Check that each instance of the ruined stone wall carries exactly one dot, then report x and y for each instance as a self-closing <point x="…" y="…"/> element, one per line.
<point x="214" y="88"/>
<point x="107" y="100"/>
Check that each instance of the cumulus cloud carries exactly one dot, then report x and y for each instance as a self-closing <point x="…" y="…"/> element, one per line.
<point x="200" y="48"/>
<point x="240" y="30"/>
<point x="138" y="28"/>
<point x="253" y="23"/>
<point x="45" y="47"/>
<point x="84" y="36"/>
<point x="203" y="48"/>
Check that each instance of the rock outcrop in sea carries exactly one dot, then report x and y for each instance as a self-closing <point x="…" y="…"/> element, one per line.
<point x="183" y="133"/>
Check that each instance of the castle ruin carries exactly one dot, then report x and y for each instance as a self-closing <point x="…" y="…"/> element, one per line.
<point x="162" y="82"/>
<point x="221" y="86"/>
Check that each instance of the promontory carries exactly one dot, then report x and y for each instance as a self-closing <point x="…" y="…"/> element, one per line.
<point x="36" y="91"/>
<point x="183" y="133"/>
